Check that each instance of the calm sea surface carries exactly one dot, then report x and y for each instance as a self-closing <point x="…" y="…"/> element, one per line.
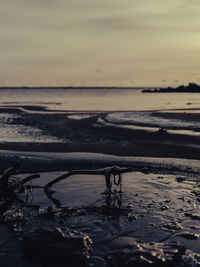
<point x="98" y="99"/>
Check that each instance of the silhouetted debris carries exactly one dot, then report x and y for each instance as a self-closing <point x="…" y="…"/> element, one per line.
<point x="162" y="130"/>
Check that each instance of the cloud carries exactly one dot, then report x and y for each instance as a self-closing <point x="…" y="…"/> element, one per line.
<point x="132" y="36"/>
<point x="97" y="17"/>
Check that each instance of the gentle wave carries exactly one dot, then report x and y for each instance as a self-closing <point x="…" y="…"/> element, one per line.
<point x="146" y="119"/>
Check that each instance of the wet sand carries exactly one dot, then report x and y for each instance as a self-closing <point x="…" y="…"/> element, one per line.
<point x="164" y="210"/>
<point x="159" y="201"/>
<point x="91" y="135"/>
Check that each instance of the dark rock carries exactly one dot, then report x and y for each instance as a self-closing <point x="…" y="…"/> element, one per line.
<point x="57" y="248"/>
<point x="132" y="217"/>
<point x="14" y="219"/>
<point x="148" y="254"/>
<point x="164" y="207"/>
<point x="180" y="179"/>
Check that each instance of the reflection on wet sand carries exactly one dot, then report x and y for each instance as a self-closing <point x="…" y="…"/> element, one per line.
<point x="159" y="208"/>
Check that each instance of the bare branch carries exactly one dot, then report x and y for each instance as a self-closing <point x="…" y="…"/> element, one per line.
<point x="29" y="178"/>
<point x="6" y="175"/>
<point x="107" y="172"/>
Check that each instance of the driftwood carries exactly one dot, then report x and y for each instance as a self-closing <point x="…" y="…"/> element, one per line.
<point x="10" y="186"/>
<point x="107" y="172"/>
<point x="29" y="178"/>
<point x="6" y="175"/>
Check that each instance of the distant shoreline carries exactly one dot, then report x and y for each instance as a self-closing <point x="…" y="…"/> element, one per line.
<point x="190" y="88"/>
<point x="75" y="87"/>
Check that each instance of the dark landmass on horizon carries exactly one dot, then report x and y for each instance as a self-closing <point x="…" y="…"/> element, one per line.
<point x="190" y="88"/>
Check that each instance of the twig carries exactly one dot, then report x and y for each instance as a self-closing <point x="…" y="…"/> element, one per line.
<point x="6" y="174"/>
<point x="29" y="178"/>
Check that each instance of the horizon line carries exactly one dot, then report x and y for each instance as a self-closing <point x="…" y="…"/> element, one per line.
<point x="77" y="87"/>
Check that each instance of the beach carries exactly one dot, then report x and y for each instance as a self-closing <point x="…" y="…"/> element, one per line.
<point x="92" y="132"/>
<point x="157" y="201"/>
<point x="99" y="134"/>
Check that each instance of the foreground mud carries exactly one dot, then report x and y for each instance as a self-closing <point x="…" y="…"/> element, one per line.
<point x="153" y="222"/>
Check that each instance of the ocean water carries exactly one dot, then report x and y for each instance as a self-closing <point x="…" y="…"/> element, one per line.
<point x="99" y="99"/>
<point x="128" y="107"/>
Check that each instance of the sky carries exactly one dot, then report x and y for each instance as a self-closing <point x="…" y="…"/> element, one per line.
<point x="99" y="42"/>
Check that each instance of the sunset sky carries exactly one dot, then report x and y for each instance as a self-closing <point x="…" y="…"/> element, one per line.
<point x="102" y="43"/>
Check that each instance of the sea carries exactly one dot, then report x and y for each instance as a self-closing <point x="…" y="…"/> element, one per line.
<point x="101" y="99"/>
<point x="125" y="106"/>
